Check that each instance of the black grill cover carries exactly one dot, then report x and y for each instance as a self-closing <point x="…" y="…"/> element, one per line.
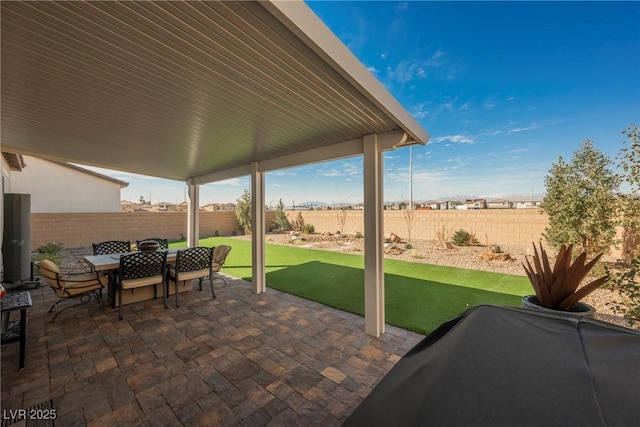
<point x="498" y="366"/>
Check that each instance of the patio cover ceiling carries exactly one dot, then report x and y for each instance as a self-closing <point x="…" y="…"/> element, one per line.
<point x="183" y="90"/>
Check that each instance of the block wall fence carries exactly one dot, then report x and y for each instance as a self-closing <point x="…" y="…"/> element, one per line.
<point x="76" y="230"/>
<point x="518" y="227"/>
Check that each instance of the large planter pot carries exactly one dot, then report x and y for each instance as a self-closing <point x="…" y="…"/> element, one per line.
<point x="579" y="309"/>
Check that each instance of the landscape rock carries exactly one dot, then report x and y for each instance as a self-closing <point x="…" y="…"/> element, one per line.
<point x="392" y="237"/>
<point x="493" y="256"/>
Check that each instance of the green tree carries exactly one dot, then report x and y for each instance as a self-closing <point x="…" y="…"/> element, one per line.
<point x="627" y="282"/>
<point x="629" y="162"/>
<point x="582" y="201"/>
<point x="243" y="211"/>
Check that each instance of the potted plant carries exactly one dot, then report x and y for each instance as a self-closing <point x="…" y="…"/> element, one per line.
<point x="557" y="288"/>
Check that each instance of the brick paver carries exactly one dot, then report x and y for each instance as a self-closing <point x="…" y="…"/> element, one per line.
<point x="241" y="359"/>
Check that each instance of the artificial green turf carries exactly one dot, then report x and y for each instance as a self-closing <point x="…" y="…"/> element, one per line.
<point x="418" y="296"/>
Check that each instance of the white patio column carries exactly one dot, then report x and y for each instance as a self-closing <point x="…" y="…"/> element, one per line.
<point x="193" y="216"/>
<point x="373" y="234"/>
<point x="257" y="230"/>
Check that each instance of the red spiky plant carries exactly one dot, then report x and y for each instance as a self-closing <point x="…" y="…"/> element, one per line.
<point x="557" y="287"/>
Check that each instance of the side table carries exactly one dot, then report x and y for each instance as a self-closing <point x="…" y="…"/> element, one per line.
<point x="15" y="330"/>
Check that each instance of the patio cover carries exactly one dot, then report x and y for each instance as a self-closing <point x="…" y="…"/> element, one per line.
<point x="497" y="366"/>
<point x="197" y="91"/>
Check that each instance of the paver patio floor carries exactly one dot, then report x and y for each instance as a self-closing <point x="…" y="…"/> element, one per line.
<point x="241" y="359"/>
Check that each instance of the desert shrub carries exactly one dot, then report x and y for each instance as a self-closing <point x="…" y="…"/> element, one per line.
<point x="357" y="235"/>
<point x="308" y="229"/>
<point x="442" y="234"/>
<point x="298" y="223"/>
<point x="464" y="238"/>
<point x="50" y="251"/>
<point x="281" y="222"/>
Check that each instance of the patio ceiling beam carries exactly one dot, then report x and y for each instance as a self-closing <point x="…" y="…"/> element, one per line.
<point x="221" y="175"/>
<point x="386" y="141"/>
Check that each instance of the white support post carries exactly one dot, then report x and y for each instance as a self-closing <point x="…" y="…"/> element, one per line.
<point x="193" y="216"/>
<point x="257" y="230"/>
<point x="373" y="233"/>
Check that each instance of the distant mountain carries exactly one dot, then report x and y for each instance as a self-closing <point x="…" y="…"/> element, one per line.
<point x="512" y="196"/>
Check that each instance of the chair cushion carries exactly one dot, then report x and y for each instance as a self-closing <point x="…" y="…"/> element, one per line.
<point x="77" y="288"/>
<point x="188" y="275"/>
<point x="84" y="277"/>
<point x="49" y="265"/>
<point x="144" y="281"/>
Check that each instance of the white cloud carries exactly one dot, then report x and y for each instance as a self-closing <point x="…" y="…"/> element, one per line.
<point x="284" y="172"/>
<point x="402" y="6"/>
<point x="330" y="173"/>
<point x="522" y="129"/>
<point x="407" y="71"/>
<point x="353" y="168"/>
<point x="373" y="70"/>
<point x="233" y="182"/>
<point x="419" y="111"/>
<point x="533" y="126"/>
<point x="458" y="139"/>
<point x="489" y="103"/>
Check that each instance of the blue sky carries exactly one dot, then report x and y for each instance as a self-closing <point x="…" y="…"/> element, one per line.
<point x="503" y="88"/>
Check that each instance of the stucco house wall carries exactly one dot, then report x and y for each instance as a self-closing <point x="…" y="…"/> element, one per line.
<point x="61" y="187"/>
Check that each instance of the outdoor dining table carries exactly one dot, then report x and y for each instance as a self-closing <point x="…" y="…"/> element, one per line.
<point x="109" y="265"/>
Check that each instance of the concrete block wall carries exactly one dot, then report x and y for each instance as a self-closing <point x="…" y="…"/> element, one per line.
<point x="82" y="229"/>
<point x="517" y="227"/>
<point x="508" y="227"/>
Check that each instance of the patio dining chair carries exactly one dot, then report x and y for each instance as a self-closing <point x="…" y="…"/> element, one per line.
<point x="220" y="254"/>
<point x="191" y="263"/>
<point x="163" y="243"/>
<point x="83" y="287"/>
<point x="141" y="269"/>
<point x="111" y="247"/>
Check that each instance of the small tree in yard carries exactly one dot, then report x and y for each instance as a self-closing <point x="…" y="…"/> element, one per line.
<point x="341" y="212"/>
<point x="243" y="211"/>
<point x="581" y="201"/>
<point x="629" y="162"/>
<point x="281" y="221"/>
<point x="407" y="214"/>
<point x="627" y="283"/>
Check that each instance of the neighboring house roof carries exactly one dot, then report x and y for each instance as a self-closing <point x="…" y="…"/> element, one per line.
<point x="122" y="184"/>
<point x="17" y="163"/>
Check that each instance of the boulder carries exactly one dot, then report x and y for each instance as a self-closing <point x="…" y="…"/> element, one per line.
<point x="492" y="256"/>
